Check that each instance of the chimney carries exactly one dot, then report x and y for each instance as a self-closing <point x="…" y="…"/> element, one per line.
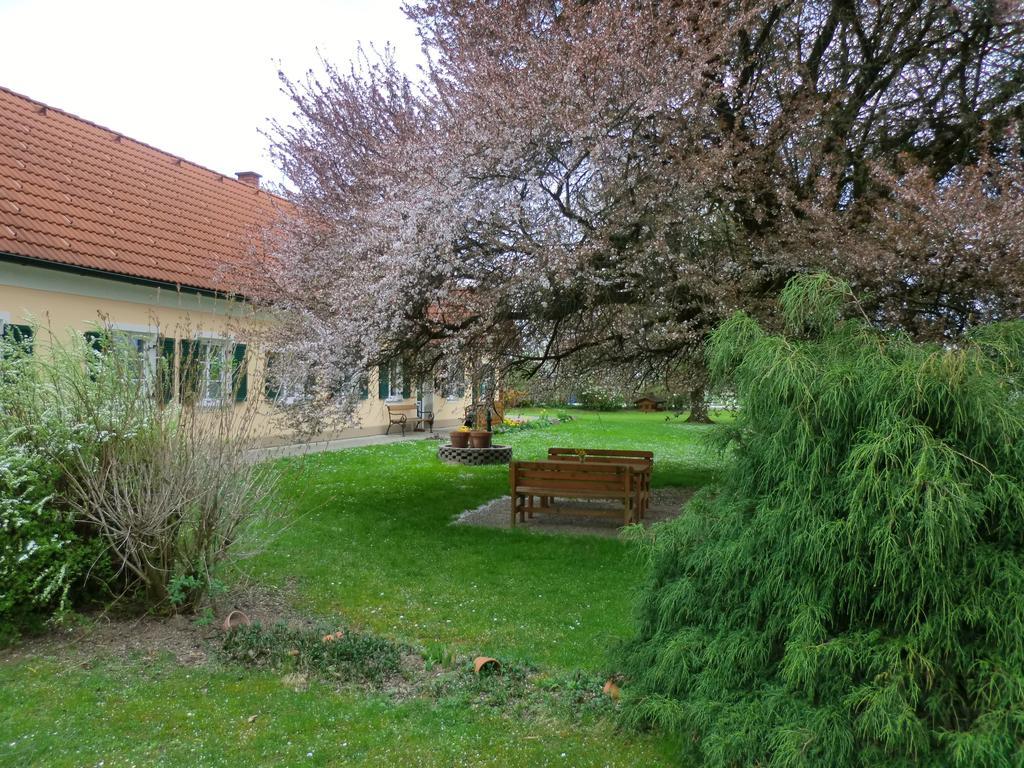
<point x="249" y="177"/>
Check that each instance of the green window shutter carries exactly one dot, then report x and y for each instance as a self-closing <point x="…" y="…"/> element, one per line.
<point x="19" y="336"/>
<point x="99" y="343"/>
<point x="364" y="388"/>
<point x="383" y="387"/>
<point x="165" y="369"/>
<point x="271" y="387"/>
<point x="240" y="374"/>
<point x="189" y="369"/>
<point x="97" y="340"/>
<point x="406" y="383"/>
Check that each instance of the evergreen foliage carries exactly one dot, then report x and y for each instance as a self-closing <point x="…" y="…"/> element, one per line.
<point x="851" y="593"/>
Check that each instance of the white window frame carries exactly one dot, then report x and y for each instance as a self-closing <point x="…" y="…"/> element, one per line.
<point x="143" y="342"/>
<point x="425" y="388"/>
<point x="290" y="390"/>
<point x="451" y="385"/>
<point x="395" y="378"/>
<point x="226" y="348"/>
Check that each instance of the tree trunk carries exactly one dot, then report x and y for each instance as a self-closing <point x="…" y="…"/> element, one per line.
<point x="698" y="407"/>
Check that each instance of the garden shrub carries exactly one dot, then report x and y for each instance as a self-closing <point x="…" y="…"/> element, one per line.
<point x="167" y="489"/>
<point x="600" y="399"/>
<point x="44" y="563"/>
<point x="851" y="593"/>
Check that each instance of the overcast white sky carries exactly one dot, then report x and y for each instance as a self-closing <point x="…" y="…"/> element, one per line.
<point x="196" y="78"/>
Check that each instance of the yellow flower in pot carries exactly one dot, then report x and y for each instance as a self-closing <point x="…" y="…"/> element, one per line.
<point x="460" y="437"/>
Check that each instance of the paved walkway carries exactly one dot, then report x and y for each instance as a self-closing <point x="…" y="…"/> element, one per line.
<point x="319" y="446"/>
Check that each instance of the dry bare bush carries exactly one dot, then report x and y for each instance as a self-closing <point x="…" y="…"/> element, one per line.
<point x="167" y="486"/>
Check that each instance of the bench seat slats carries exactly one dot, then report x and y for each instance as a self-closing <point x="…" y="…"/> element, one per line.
<point x="572" y="493"/>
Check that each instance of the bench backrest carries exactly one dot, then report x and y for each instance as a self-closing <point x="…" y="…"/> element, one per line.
<point x="401" y="408"/>
<point x="599" y="455"/>
<point x="570" y="476"/>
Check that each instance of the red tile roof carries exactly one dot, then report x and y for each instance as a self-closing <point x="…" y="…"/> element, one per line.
<point x="77" y="194"/>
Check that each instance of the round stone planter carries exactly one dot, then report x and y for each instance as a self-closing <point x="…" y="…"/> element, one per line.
<point x="496" y="454"/>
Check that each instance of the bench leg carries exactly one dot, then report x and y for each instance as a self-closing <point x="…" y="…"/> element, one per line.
<point x="529" y="509"/>
<point x="514" y="499"/>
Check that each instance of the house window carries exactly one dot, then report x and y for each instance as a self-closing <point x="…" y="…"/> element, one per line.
<point x="425" y="397"/>
<point x="395" y="381"/>
<point x="14" y="337"/>
<point x="286" y="383"/>
<point x="455" y="387"/>
<point x="391" y="386"/>
<point x="214" y="373"/>
<point x="140" y="349"/>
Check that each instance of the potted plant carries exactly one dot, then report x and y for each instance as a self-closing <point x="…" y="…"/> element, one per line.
<point x="460" y="437"/>
<point x="481" y="438"/>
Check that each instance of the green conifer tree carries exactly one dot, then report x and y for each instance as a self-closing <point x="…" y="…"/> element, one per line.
<point x="851" y="592"/>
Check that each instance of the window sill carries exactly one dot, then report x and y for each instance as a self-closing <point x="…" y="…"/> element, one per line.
<point x="212" y="404"/>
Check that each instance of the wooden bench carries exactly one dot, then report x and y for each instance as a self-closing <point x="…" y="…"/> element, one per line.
<point x="642" y="461"/>
<point x="398" y="415"/>
<point x="572" y="480"/>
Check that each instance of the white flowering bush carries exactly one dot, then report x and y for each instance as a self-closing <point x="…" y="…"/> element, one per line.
<point x="166" y="490"/>
<point x="44" y="563"/>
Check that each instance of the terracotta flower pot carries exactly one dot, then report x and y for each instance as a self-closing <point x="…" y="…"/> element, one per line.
<point x="480" y="439"/>
<point x="234" y="620"/>
<point x="460" y="439"/>
<point x="486" y="665"/>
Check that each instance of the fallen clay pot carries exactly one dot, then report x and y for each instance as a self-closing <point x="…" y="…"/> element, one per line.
<point x="482" y="664"/>
<point x="234" y="620"/>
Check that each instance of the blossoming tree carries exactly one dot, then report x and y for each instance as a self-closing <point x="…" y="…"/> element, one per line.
<point x="577" y="185"/>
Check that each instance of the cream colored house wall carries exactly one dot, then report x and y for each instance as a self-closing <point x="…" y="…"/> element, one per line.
<point x="62" y="303"/>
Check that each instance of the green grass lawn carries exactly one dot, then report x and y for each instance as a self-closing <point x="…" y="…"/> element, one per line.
<point x="145" y="714"/>
<point x="368" y="541"/>
<point x="372" y="542"/>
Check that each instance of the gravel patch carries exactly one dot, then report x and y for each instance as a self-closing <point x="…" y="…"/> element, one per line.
<point x="666" y="503"/>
